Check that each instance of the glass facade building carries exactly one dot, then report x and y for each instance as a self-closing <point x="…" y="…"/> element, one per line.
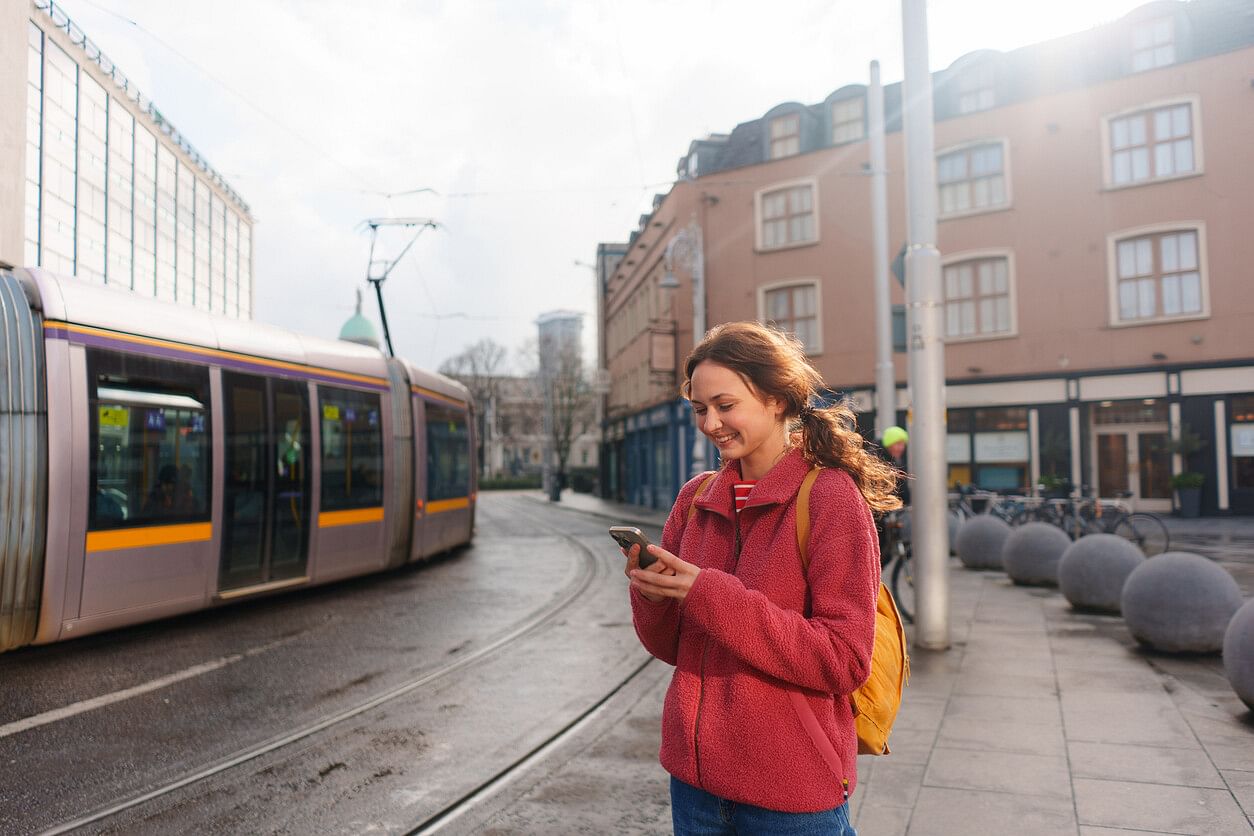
<point x="113" y="193"/>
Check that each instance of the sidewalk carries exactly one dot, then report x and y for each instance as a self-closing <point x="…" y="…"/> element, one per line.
<point x="1040" y="720"/>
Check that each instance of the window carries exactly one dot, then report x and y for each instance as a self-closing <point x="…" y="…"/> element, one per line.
<point x="786" y="216"/>
<point x="975" y="90"/>
<point x="794" y="309"/>
<point x="166" y="189"/>
<point x="978" y="298"/>
<point x="988" y="447"/>
<point x="1241" y="434"/>
<point x="121" y="214"/>
<point x="847" y="121"/>
<point x="972" y="179"/>
<point x="785" y="136"/>
<point x="352" y="449"/>
<point x="1153" y="44"/>
<point x="150" y="438"/>
<point x="1152" y="144"/>
<point x="93" y="133"/>
<point x="34" y="116"/>
<point x="448" y="453"/>
<point x="1159" y="276"/>
<point x="59" y="173"/>
<point x="185" y="185"/>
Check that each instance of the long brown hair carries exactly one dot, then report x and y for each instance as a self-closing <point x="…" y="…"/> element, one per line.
<point x="774" y="364"/>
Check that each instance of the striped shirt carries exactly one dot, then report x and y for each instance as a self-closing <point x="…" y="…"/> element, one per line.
<point x="742" y="490"/>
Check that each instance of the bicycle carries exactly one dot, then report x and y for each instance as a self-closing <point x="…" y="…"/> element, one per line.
<point x="1078" y="516"/>
<point x="895" y="551"/>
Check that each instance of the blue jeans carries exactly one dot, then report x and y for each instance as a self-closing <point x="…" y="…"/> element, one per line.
<point x="695" y="812"/>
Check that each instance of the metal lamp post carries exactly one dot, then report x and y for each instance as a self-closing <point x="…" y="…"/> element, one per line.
<point x="687" y="249"/>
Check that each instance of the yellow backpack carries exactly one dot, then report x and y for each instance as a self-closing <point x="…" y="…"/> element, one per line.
<point x="875" y="704"/>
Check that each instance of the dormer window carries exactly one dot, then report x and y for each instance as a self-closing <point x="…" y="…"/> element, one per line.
<point x="848" y="123"/>
<point x="785" y="136"/>
<point x="1153" y="44"/>
<point x="975" y="90"/>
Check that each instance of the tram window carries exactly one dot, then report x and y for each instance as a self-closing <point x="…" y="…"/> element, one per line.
<point x="352" y="449"/>
<point x="151" y="462"/>
<point x="448" y="453"/>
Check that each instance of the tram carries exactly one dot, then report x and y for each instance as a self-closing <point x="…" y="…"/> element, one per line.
<point x="156" y="460"/>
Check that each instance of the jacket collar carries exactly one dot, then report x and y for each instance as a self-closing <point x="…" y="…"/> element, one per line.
<point x="778" y="486"/>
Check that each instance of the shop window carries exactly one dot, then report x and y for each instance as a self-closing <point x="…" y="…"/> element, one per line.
<point x="1241" y="442"/>
<point x="448" y="453"/>
<point x="352" y="449"/>
<point x="1145" y="411"/>
<point x="151" y="458"/>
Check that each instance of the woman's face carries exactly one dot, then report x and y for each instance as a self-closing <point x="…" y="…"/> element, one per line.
<point x="730" y="413"/>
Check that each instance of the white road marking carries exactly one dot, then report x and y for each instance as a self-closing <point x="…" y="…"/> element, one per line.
<point x="92" y="704"/>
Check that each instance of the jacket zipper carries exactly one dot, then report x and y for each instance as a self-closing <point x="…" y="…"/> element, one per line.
<point x="705" y="646"/>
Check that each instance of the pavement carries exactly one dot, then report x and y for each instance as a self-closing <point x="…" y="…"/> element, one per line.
<point x="1041" y="720"/>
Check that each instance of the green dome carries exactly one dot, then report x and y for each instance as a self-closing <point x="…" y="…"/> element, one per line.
<point x="358" y="329"/>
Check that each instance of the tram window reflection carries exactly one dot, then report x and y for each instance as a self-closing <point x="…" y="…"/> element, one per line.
<point x="352" y="449"/>
<point x="448" y="453"/>
<point x="151" y="441"/>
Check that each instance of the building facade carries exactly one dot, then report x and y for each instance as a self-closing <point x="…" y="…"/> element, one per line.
<point x="1093" y="194"/>
<point x="96" y="183"/>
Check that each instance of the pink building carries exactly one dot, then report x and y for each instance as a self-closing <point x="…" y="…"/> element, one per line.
<point x="1095" y="193"/>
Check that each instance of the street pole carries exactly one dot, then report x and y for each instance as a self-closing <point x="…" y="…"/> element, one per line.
<point x="926" y="348"/>
<point x="885" y="377"/>
<point x="690" y="244"/>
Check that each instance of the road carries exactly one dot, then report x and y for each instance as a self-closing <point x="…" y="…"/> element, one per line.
<point x="374" y="705"/>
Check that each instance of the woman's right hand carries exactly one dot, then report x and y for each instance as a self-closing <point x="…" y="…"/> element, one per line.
<point x="633" y="563"/>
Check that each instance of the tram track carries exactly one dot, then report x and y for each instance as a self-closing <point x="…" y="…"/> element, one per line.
<point x="588" y="570"/>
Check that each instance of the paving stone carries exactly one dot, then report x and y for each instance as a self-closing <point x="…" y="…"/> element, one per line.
<point x="985" y="682"/>
<point x="882" y="821"/>
<point x="1119" y="681"/>
<point x="920" y="713"/>
<point x="1236" y="755"/>
<point x="1002" y="736"/>
<point x="1086" y="830"/>
<point x="1027" y="710"/>
<point x="1158" y="807"/>
<point x="1149" y="764"/>
<point x="1010" y="772"/>
<point x="894" y="784"/>
<point x="1145" y="719"/>
<point x="945" y="812"/>
<point x="1242" y="785"/>
<point x="909" y="745"/>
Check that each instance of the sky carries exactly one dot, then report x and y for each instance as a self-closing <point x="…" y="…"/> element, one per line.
<point x="541" y="127"/>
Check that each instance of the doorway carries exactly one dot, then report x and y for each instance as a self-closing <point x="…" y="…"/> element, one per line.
<point x="1132" y="455"/>
<point x="267" y="481"/>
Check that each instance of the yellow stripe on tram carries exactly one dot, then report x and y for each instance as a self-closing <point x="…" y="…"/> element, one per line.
<point x="357" y="516"/>
<point x="157" y="535"/>
<point x="448" y="505"/>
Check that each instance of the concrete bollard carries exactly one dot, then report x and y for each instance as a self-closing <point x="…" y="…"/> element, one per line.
<point x="1179" y="603"/>
<point x="1239" y="653"/>
<point x="980" y="541"/>
<point x="1093" y="570"/>
<point x="1031" y="553"/>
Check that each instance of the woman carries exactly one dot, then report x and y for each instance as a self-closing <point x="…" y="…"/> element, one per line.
<point x="729" y="604"/>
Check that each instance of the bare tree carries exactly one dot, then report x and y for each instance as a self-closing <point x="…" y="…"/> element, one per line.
<point x="561" y="380"/>
<point x="478" y="368"/>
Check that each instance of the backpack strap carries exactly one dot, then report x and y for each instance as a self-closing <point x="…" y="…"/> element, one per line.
<point x="803" y="517"/>
<point x="705" y="483"/>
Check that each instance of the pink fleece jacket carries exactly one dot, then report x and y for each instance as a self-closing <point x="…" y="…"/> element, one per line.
<point x="740" y="641"/>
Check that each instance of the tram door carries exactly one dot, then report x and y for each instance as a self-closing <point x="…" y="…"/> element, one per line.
<point x="267" y="481"/>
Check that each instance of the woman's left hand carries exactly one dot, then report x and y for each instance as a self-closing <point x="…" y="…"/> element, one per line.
<point x="666" y="585"/>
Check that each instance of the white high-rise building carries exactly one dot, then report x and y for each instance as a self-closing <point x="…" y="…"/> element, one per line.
<point x="96" y="183"/>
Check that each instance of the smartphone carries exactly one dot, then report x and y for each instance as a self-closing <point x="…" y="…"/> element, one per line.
<point x="628" y="536"/>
